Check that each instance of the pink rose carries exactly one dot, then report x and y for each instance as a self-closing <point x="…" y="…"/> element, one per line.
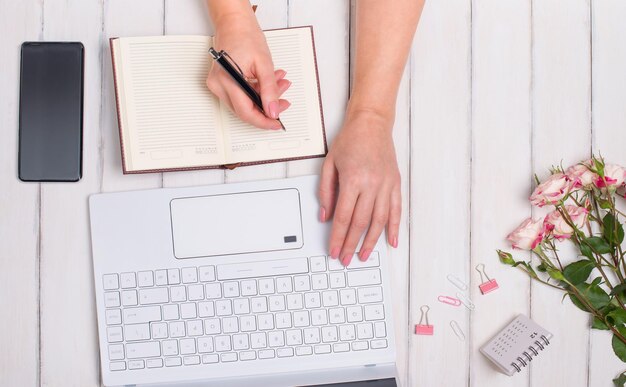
<point x="580" y="175"/>
<point x="551" y="190"/>
<point x="614" y="176"/>
<point x="556" y="224"/>
<point x="527" y="235"/>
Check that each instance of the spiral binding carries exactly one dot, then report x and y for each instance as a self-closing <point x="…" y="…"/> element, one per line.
<point x="529" y="356"/>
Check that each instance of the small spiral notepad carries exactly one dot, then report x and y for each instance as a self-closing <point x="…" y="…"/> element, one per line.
<point x="517" y="345"/>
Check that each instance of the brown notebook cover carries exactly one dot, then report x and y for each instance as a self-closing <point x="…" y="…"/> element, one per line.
<point x="225" y="166"/>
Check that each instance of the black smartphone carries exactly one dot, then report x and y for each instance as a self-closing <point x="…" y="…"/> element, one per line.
<point x="51" y="111"/>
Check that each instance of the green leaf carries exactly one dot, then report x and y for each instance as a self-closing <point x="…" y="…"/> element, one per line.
<point x="599" y="324"/>
<point x="617" y="316"/>
<point x="555" y="274"/>
<point x="578" y="271"/>
<point x="586" y="250"/>
<point x="613" y="230"/>
<point x="594" y="295"/>
<point x="619" y="289"/>
<point x="505" y="257"/>
<point x="604" y="203"/>
<point x="620" y="380"/>
<point x="599" y="245"/>
<point x="619" y="347"/>
<point x="596" y="281"/>
<point x="542" y="267"/>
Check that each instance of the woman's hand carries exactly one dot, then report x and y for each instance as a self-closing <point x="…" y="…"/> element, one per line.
<point x="360" y="186"/>
<point x="240" y="36"/>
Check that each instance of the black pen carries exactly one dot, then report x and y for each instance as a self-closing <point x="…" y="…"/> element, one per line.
<point x="231" y="67"/>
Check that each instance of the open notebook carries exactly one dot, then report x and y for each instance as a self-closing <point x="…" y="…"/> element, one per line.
<point x="169" y="120"/>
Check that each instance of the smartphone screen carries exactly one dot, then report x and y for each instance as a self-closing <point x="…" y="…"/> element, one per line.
<point x="51" y="111"/>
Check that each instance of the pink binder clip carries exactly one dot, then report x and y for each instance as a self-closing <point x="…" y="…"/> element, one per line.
<point x="485" y="286"/>
<point x="424" y="329"/>
<point x="449" y="300"/>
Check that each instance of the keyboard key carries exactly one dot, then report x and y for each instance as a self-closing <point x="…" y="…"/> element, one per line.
<point x="258" y="340"/>
<point x="330" y="298"/>
<point x="187" y="346"/>
<point x="364" y="277"/>
<point x="302" y="283"/>
<point x="173" y="276"/>
<point x="177" y="329"/>
<point x="304" y="351"/>
<point x="135" y="364"/>
<point x="206" y="309"/>
<point x="169" y="347"/>
<point x="334" y="264"/>
<point x="113" y="316"/>
<point x="191" y="360"/>
<point x="312" y="300"/>
<point x="370" y="295"/>
<point x="347" y="296"/>
<point x="372" y="261"/>
<point x="329" y="334"/>
<point x="154" y="363"/>
<point x="283" y="320"/>
<point x="142" y="314"/>
<point x="322" y="349"/>
<point x="318" y="264"/>
<point x="267" y="354"/>
<point x="248" y="355"/>
<point x="319" y="317"/>
<point x="195" y="292"/>
<point x="241" y="306"/>
<point x="110" y="282"/>
<point x="265" y="321"/>
<point x="212" y="326"/>
<point x="266" y="286"/>
<point x="230" y="325"/>
<point x="378" y="344"/>
<point x="311" y="335"/>
<point x="135" y="332"/>
<point x="223" y="308"/>
<point x="189" y="274"/>
<point x="145" y="279"/>
<point x="284" y="352"/>
<point x="210" y="359"/>
<point x="213" y="291"/>
<point x="194" y="328"/>
<point x="128" y="280"/>
<point x="337" y="280"/>
<point x="336" y="316"/>
<point x="222" y="343"/>
<point x="188" y="310"/>
<point x="301" y="319"/>
<point x="160" y="277"/>
<point x="262" y="269"/>
<point x="276" y="339"/>
<point x="319" y="281"/>
<point x="240" y="342"/>
<point x="284" y="285"/>
<point x="248" y="288"/>
<point x="116" y="352"/>
<point x="259" y="305"/>
<point x="228" y="357"/>
<point x="173" y="362"/>
<point x="354" y="313"/>
<point x="170" y="312"/>
<point x="294" y="337"/>
<point x="207" y="273"/>
<point x="112" y="299"/>
<point x="364" y="331"/>
<point x="231" y="289"/>
<point x="294" y="301"/>
<point x="205" y="344"/>
<point x="114" y="334"/>
<point x="346" y="332"/>
<point x="247" y="323"/>
<point x="159" y="330"/>
<point x="117" y="366"/>
<point x="374" y="312"/>
<point x="178" y="293"/>
<point x="277" y="303"/>
<point x="379" y="328"/>
<point x="341" y="347"/>
<point x="153" y="296"/>
<point x="139" y="350"/>
<point x="359" y="345"/>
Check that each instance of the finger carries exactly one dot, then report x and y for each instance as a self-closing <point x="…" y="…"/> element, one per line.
<point x="245" y="109"/>
<point x="361" y="219"/>
<point x="341" y="221"/>
<point x="283" y="85"/>
<point x="327" y="191"/>
<point x="395" y="212"/>
<point x="218" y="90"/>
<point x="268" y="87"/>
<point x="280" y="74"/>
<point x="283" y="105"/>
<point x="380" y="217"/>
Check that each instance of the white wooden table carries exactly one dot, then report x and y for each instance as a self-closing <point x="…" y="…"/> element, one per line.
<point x="495" y="91"/>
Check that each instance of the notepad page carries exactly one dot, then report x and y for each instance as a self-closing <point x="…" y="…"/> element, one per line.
<point x="292" y="51"/>
<point x="172" y="120"/>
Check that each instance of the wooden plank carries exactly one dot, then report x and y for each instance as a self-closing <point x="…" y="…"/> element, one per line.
<point x="561" y="105"/>
<point x="68" y="316"/>
<point x="501" y="169"/>
<point x="123" y="18"/>
<point x="440" y="182"/>
<point x="609" y="138"/>
<point x="270" y="14"/>
<point x="331" y="25"/>
<point x="189" y="17"/>
<point x="19" y="206"/>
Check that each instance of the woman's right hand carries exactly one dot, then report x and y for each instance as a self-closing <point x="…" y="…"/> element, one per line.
<point x="240" y="36"/>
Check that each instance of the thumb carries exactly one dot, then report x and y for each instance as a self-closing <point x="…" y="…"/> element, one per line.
<point x="268" y="88"/>
<point x="327" y="190"/>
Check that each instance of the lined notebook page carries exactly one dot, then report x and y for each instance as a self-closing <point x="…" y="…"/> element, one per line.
<point x="174" y="119"/>
<point x="292" y="51"/>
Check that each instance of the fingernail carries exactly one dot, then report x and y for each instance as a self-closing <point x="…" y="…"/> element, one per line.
<point x="281" y="74"/>
<point x="334" y="253"/>
<point x="394" y="243"/>
<point x="273" y="109"/>
<point x="365" y="254"/>
<point x="346" y="259"/>
<point x="322" y="214"/>
<point x="277" y="126"/>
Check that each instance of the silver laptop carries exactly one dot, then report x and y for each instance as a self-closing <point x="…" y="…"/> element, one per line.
<point x="231" y="285"/>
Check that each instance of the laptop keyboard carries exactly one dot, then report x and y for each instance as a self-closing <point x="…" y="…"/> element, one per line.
<point x="243" y="312"/>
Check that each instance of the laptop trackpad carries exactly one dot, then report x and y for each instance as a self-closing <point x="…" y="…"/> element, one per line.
<point x="236" y="223"/>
